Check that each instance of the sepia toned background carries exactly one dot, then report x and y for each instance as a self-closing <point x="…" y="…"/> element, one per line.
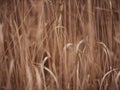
<point x="59" y="44"/>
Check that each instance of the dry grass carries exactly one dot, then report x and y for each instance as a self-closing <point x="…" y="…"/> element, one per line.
<point x="59" y="44"/>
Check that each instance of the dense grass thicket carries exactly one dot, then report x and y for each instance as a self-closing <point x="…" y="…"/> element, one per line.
<point x="59" y="44"/>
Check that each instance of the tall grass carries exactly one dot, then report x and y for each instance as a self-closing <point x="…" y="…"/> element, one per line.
<point x="59" y="44"/>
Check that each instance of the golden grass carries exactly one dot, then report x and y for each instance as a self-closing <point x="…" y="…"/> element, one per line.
<point x="59" y="45"/>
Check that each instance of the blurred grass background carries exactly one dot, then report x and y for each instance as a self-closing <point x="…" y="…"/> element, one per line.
<point x="60" y="45"/>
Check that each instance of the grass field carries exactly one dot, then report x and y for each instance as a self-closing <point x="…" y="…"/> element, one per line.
<point x="59" y="44"/>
